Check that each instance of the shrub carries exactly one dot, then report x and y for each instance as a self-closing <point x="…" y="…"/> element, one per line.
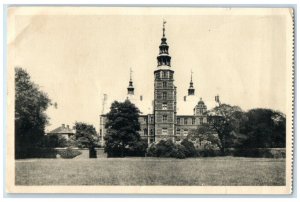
<point x="260" y="152"/>
<point x="138" y="149"/>
<point x="189" y="148"/>
<point x="166" y="148"/>
<point x="208" y="149"/>
<point x="37" y="152"/>
<point x="68" y="153"/>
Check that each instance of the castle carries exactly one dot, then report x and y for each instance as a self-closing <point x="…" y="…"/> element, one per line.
<point x="167" y="117"/>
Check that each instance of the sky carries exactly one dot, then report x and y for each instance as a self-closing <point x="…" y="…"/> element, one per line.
<point x="76" y="58"/>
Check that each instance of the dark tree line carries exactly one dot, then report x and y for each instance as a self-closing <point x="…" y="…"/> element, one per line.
<point x="30" y="118"/>
<point x="230" y="127"/>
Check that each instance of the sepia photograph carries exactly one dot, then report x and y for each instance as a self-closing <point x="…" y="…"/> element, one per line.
<point x="150" y="100"/>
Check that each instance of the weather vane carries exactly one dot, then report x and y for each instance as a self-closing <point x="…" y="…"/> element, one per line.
<point x="164" y="22"/>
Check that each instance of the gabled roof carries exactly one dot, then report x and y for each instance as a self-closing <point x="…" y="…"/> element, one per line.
<point x="62" y="130"/>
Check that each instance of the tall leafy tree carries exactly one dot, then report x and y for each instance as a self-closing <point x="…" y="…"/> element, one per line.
<point x="30" y="117"/>
<point x="265" y="128"/>
<point x="226" y="121"/>
<point x="205" y="132"/>
<point x="122" y="128"/>
<point x="86" y="135"/>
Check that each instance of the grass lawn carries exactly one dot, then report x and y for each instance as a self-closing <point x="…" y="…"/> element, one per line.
<point x="226" y="171"/>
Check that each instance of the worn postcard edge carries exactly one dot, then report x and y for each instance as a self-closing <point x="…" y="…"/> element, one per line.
<point x="10" y="162"/>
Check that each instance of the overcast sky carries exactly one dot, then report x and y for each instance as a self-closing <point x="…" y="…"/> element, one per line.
<point x="77" y="58"/>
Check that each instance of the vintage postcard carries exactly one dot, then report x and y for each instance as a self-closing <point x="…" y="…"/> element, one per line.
<point x="150" y="100"/>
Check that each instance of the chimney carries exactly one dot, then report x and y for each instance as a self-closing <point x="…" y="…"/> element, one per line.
<point x="141" y="98"/>
<point x="184" y="98"/>
<point x="67" y="126"/>
<point x="63" y="125"/>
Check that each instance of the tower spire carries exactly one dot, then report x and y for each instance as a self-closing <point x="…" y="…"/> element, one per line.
<point x="130" y="89"/>
<point x="163" y="59"/>
<point x="191" y="90"/>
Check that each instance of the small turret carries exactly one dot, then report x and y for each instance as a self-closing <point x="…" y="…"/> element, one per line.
<point x="130" y="89"/>
<point x="200" y="108"/>
<point x="191" y="90"/>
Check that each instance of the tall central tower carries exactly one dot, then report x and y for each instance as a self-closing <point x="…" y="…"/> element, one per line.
<point x="164" y="93"/>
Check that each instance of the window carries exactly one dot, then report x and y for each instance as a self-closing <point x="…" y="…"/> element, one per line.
<point x="178" y="131"/>
<point x="151" y="131"/>
<point x="159" y="95"/>
<point x="164" y="84"/>
<point x="185" y="121"/>
<point x="164" y="106"/>
<point x="145" y="132"/>
<point x="185" y="132"/>
<point x="145" y="119"/>
<point x="165" y="117"/>
<point x="193" y="121"/>
<point x="164" y="74"/>
<point x="171" y="75"/>
<point x="157" y="75"/>
<point x="164" y="95"/>
<point x="201" y="111"/>
<point x="151" y="119"/>
<point x="164" y="131"/>
<point x="178" y="120"/>
<point x="201" y="121"/>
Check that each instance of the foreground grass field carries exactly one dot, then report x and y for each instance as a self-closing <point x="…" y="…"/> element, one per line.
<point x="229" y="171"/>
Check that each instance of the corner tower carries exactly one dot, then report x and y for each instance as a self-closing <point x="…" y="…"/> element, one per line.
<point x="164" y="93"/>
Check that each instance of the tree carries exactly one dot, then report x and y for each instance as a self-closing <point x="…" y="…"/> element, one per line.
<point x="30" y="117"/>
<point x="264" y="128"/>
<point x="205" y="132"/>
<point x="226" y="121"/>
<point x="86" y="135"/>
<point x="122" y="128"/>
<point x="189" y="148"/>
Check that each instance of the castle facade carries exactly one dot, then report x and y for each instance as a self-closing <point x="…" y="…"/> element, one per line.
<point x="167" y="118"/>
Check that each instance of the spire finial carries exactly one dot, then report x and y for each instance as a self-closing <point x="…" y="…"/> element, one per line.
<point x="130" y="74"/>
<point x="192" y="75"/>
<point x="164" y="22"/>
